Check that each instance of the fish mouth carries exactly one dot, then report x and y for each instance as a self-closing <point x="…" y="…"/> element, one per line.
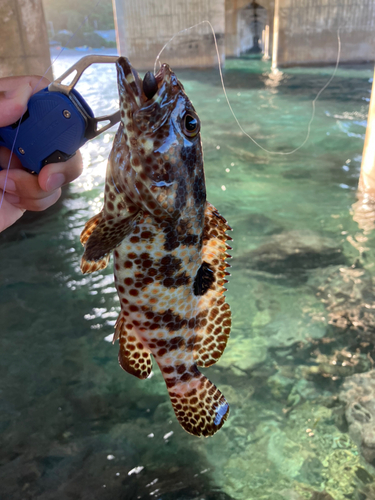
<point x="132" y="88"/>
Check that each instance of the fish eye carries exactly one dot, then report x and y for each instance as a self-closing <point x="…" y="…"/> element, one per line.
<point x="190" y="125"/>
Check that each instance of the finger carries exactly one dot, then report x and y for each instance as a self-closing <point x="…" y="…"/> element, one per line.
<point x="21" y="183"/>
<point x="56" y="175"/>
<point x="15" y="93"/>
<point x="32" y="204"/>
<point x="26" y="185"/>
<point x="9" y="214"/>
<point x="5" y="154"/>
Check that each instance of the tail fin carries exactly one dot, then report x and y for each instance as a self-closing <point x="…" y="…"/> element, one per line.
<point x="199" y="406"/>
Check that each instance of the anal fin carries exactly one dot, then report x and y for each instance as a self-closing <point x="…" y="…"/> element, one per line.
<point x="133" y="357"/>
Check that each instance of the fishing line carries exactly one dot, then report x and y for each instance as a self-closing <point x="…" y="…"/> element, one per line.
<point x="227" y="99"/>
<point x="32" y="93"/>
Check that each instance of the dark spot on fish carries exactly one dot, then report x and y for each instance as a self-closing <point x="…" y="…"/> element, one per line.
<point x="189" y="158"/>
<point x="182" y="279"/>
<point x="186" y="377"/>
<point x="176" y="234"/>
<point x="168" y="369"/>
<point x="204" y="279"/>
<point x="168" y="282"/>
<point x="146" y="234"/>
<point x="170" y="382"/>
<point x="199" y="190"/>
<point x="181" y="195"/>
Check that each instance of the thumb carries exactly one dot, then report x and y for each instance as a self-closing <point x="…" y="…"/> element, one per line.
<point x="13" y="103"/>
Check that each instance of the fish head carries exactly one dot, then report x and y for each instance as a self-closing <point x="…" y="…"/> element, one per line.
<point x="164" y="173"/>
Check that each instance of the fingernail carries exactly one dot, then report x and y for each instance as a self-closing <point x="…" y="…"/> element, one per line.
<point x="11" y="198"/>
<point x="8" y="185"/>
<point x="55" y="181"/>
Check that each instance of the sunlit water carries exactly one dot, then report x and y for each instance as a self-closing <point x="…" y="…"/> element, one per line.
<point x="75" y="426"/>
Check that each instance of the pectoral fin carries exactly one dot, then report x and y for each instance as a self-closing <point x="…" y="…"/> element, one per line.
<point x="101" y="235"/>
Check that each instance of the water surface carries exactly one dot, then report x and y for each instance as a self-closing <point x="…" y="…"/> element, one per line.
<point x="75" y="426"/>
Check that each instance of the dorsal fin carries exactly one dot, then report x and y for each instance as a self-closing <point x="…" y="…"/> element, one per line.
<point x="215" y="315"/>
<point x="133" y="357"/>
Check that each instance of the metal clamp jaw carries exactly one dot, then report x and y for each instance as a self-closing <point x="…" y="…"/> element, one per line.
<point x="79" y="67"/>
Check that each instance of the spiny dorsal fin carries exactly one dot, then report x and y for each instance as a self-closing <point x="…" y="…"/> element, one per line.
<point x="132" y="356"/>
<point x="215" y="316"/>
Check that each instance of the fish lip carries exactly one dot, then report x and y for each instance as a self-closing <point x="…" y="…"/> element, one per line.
<point x="135" y="91"/>
<point x="124" y="69"/>
<point x="162" y="73"/>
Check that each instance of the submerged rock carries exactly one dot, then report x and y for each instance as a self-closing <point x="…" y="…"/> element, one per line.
<point x="255" y="224"/>
<point x="244" y="354"/>
<point x="288" y="456"/>
<point x="321" y="495"/>
<point x="349" y="296"/>
<point x="358" y="395"/>
<point x="293" y="252"/>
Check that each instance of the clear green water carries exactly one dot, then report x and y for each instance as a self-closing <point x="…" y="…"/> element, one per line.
<point x="75" y="426"/>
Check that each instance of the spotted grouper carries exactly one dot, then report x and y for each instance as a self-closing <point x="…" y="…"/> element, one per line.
<point x="169" y="246"/>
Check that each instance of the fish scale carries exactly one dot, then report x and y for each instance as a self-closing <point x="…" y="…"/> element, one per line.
<point x="169" y="247"/>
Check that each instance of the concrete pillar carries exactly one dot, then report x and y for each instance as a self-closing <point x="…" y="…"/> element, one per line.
<point x="364" y="208"/>
<point x="308" y="31"/>
<point x="231" y="28"/>
<point x="266" y="47"/>
<point x="275" y="41"/>
<point x="367" y="177"/>
<point x="270" y="22"/>
<point x="144" y="26"/>
<point x="24" y="47"/>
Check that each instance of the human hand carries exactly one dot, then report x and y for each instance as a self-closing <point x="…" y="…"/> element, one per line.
<point x="20" y="189"/>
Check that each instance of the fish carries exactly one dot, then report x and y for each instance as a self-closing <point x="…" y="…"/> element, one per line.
<point x="169" y="246"/>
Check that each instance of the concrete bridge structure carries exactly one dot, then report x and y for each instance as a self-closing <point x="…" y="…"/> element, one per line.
<point x="300" y="32"/>
<point x="24" y="47"/>
<point x="293" y="32"/>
